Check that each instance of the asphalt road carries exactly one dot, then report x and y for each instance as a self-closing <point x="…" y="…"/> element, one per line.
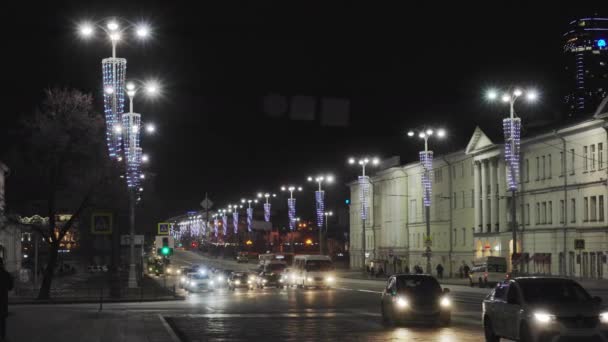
<point x="350" y="312"/>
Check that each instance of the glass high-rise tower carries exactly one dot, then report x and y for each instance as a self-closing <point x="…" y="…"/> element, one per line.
<point x="586" y="58"/>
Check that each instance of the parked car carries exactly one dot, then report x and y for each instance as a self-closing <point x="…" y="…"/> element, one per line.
<point x="489" y="272"/>
<point x="415" y="298"/>
<point x="530" y="309"/>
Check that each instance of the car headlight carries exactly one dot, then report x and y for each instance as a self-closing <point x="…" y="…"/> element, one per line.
<point x="179" y="272"/>
<point x="330" y="279"/>
<point x="402" y="302"/>
<point x="150" y="269"/>
<point x="293" y="277"/>
<point x="190" y="283"/>
<point x="264" y="281"/>
<point x="445" y="302"/>
<point x="183" y="279"/>
<point x="211" y="282"/>
<point x="169" y="270"/>
<point x="281" y="280"/>
<point x="543" y="317"/>
<point x="604" y="317"/>
<point x="248" y="281"/>
<point x="220" y="278"/>
<point x="309" y="279"/>
<point x="238" y="282"/>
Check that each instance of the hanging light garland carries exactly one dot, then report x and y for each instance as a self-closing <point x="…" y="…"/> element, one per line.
<point x="364" y="195"/>
<point x="291" y="212"/>
<point x="512" y="132"/>
<point x="426" y="159"/>
<point x="320" y="201"/>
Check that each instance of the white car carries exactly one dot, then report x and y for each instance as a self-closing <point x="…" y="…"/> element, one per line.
<point x="197" y="282"/>
<point x="530" y="309"/>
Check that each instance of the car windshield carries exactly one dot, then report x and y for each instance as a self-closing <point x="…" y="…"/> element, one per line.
<point x="553" y="291"/>
<point x="240" y="276"/>
<point x="418" y="285"/>
<point x="318" y="265"/>
<point x="200" y="276"/>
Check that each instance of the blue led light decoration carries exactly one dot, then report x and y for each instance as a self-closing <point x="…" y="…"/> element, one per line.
<point x="601" y="43"/>
<point x="113" y="74"/>
<point x="291" y="213"/>
<point x="225" y="223"/>
<point x="131" y="125"/>
<point x="320" y="201"/>
<point x="249" y="219"/>
<point x="235" y="221"/>
<point x="512" y="131"/>
<point x="267" y="212"/>
<point x="426" y="159"/>
<point x="215" y="227"/>
<point x="363" y="196"/>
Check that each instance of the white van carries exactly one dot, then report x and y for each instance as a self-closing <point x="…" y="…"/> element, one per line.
<point x="488" y="271"/>
<point x="313" y="271"/>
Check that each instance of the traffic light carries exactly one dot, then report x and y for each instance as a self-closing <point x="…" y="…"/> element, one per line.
<point x="165" y="250"/>
<point x="347" y="201"/>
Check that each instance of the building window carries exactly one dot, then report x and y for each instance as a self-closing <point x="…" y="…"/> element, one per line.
<point x="592" y="157"/>
<point x="537" y="168"/>
<point x="572" y="164"/>
<point x="544" y="168"/>
<point x="413" y="208"/>
<point x="561" y="164"/>
<point x="585" y="159"/>
<point x="561" y="211"/>
<point x="453" y="171"/>
<point x="573" y="210"/>
<point x="537" y="219"/>
<point x="544" y="213"/>
<point x="472" y="198"/>
<point x="550" y="212"/>
<point x="464" y="236"/>
<point x="585" y="209"/>
<point x="549" y="172"/>
<point x="527" y="170"/>
<point x="600" y="208"/>
<point x="600" y="155"/>
<point x="462" y="170"/>
<point x="463" y="200"/>
<point x="593" y="209"/>
<point x="438" y="175"/>
<point x="455" y="200"/>
<point x="527" y="213"/>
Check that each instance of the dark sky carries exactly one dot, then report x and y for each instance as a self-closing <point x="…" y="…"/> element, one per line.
<point x="400" y="67"/>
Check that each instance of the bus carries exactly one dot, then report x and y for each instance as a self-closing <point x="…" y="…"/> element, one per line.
<point x="313" y="271"/>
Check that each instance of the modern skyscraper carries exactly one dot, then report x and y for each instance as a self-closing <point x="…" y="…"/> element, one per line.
<point x="586" y="58"/>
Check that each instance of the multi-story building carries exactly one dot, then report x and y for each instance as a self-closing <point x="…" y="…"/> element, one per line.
<point x="586" y="63"/>
<point x="561" y="199"/>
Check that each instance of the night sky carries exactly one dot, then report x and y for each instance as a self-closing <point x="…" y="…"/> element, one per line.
<point x="399" y="67"/>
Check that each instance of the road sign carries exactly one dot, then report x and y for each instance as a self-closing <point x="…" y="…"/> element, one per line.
<point x="579" y="244"/>
<point x="101" y="223"/>
<point x="125" y="240"/>
<point x="206" y="204"/>
<point x="163" y="228"/>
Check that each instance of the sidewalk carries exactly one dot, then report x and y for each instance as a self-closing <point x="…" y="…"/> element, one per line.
<point x="84" y="323"/>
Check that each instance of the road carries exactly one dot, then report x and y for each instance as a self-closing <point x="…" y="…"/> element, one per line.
<point x="350" y="311"/>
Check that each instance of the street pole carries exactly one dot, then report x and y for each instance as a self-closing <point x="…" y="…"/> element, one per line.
<point x="427" y="210"/>
<point x="513" y="191"/>
<point x="132" y="283"/>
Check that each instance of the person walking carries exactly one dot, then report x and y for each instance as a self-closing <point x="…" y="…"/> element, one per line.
<point x="407" y="269"/>
<point x="466" y="270"/>
<point x="6" y="284"/>
<point x="439" y="269"/>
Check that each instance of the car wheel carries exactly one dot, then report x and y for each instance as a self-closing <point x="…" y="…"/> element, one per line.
<point x="525" y="335"/>
<point x="489" y="331"/>
<point x="480" y="282"/>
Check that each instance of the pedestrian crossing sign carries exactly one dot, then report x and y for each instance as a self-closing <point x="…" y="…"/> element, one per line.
<point x="163" y="228"/>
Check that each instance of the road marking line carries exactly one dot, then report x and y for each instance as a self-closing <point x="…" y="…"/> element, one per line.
<point x="359" y="290"/>
<point x="170" y="331"/>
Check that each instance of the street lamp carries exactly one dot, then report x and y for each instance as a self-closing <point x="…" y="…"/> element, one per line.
<point x="364" y="184"/>
<point x="323" y="235"/>
<point x="320" y="196"/>
<point x="426" y="159"/>
<point x="291" y="207"/>
<point x="267" y="196"/>
<point x="249" y="212"/>
<point x="512" y="132"/>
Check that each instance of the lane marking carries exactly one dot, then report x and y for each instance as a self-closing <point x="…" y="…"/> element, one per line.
<point x="168" y="328"/>
<point x="358" y="290"/>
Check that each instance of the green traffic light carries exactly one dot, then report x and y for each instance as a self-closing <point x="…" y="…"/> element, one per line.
<point x="165" y="250"/>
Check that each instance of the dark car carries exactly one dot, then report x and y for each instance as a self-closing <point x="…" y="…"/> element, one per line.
<point x="238" y="280"/>
<point x="543" y="309"/>
<point x="415" y="298"/>
<point x="268" y="279"/>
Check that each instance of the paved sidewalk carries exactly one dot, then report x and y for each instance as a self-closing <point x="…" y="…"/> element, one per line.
<point x="83" y="323"/>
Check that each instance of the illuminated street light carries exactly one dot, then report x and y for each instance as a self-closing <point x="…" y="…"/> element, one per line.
<point x="426" y="159"/>
<point x="512" y="133"/>
<point x="267" y="196"/>
<point x="320" y="195"/>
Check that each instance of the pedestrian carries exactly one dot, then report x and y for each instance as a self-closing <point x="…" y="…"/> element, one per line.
<point x="6" y="284"/>
<point x="439" y="269"/>
<point x="407" y="269"/>
<point x="466" y="270"/>
<point x="460" y="271"/>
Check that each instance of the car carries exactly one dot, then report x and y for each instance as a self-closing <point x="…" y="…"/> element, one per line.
<point x="238" y="280"/>
<point x="198" y="281"/>
<point x="268" y="279"/>
<point x="532" y="309"/>
<point x="415" y="298"/>
<point x="242" y="258"/>
<point x="219" y="278"/>
<point x="489" y="272"/>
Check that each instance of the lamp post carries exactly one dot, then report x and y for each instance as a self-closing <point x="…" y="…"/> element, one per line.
<point x="235" y="219"/>
<point x="320" y="199"/>
<point x="512" y="133"/>
<point x="267" y="196"/>
<point x="291" y="209"/>
<point x="324" y="235"/>
<point x="249" y="213"/>
<point x="426" y="159"/>
<point x="363" y="197"/>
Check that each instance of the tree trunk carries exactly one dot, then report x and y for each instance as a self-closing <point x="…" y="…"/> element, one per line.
<point x="45" y="288"/>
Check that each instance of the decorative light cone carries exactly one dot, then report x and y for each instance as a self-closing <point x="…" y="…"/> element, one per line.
<point x="364" y="195"/>
<point x="113" y="74"/>
<point x="249" y="219"/>
<point x="512" y="131"/>
<point x="426" y="159"/>
<point x="291" y="212"/>
<point x="225" y="224"/>
<point x="320" y="200"/>
<point x="215" y="227"/>
<point x="235" y="222"/>
<point x="267" y="212"/>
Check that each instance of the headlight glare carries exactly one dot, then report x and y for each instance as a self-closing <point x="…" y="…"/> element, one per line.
<point x="309" y="279"/>
<point x="238" y="282"/>
<point x="604" y="317"/>
<point x="330" y="279"/>
<point x="543" y="317"/>
<point x="445" y="302"/>
<point x="402" y="302"/>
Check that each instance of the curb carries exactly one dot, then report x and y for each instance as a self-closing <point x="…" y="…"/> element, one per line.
<point x="86" y="301"/>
